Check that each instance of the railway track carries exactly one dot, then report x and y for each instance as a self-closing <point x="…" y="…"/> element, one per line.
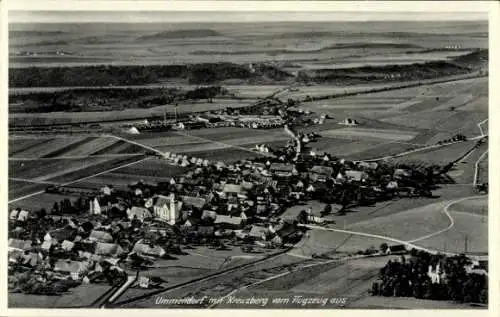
<point x="199" y="280"/>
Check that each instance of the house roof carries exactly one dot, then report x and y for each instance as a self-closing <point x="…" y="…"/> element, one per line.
<point x="228" y="219"/>
<point x="71" y="266"/>
<point x="161" y="201"/>
<point x="101" y="236"/>
<point x="145" y="249"/>
<point x="324" y="170"/>
<point x="62" y="234"/>
<point x="356" y="175"/>
<point x="257" y="231"/>
<point x="108" y="249"/>
<point x="20" y="244"/>
<point x="67" y="245"/>
<point x="282" y="167"/>
<point x="140" y="212"/>
<point x="197" y="202"/>
<point x="208" y="214"/>
<point x="232" y="188"/>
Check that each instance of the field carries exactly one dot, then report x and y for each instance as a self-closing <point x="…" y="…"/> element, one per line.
<point x="83" y="295"/>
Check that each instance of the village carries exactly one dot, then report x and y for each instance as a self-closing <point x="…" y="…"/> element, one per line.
<point x="109" y="234"/>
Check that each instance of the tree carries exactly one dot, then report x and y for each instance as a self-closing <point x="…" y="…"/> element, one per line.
<point x="55" y="208"/>
<point x="327" y="210"/>
<point x="384" y="247"/>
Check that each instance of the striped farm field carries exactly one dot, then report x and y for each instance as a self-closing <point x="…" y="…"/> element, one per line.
<point x="45" y="147"/>
<point x="40" y="170"/>
<point x="91" y="146"/>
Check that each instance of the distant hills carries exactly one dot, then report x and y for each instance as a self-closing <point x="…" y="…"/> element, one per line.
<point x="180" y="34"/>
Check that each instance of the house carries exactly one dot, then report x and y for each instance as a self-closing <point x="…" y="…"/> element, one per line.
<point x="320" y="173"/>
<point x="258" y="232"/>
<point x="75" y="268"/>
<point x="106" y="190"/>
<point x="16" y="244"/>
<point x="282" y="170"/>
<point x="349" y="122"/>
<point x="232" y="189"/>
<point x="228" y="220"/>
<point x="100" y="236"/>
<point x="95" y="207"/>
<point x="19" y="214"/>
<point x="358" y="176"/>
<point x="108" y="249"/>
<point x="396" y="249"/>
<point x="60" y="235"/>
<point x="139" y="213"/>
<point x="191" y="201"/>
<point x="144" y="249"/>
<point x="13" y="214"/>
<point x="209" y="214"/>
<point x="206" y="231"/>
<point x="401" y="173"/>
<point x="437" y="274"/>
<point x="23" y="215"/>
<point x="314" y="219"/>
<point x="67" y="245"/>
<point x="167" y="208"/>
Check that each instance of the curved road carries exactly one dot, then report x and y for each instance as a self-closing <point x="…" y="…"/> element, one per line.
<point x="409" y="243"/>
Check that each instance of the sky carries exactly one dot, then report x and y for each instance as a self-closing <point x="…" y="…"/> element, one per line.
<point x="26" y="16"/>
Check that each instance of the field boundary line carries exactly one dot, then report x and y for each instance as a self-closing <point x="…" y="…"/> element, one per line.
<point x="76" y="157"/>
<point x="33" y="181"/>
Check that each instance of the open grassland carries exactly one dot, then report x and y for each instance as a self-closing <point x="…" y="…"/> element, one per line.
<point x="478" y="206"/>
<point x="407" y="225"/>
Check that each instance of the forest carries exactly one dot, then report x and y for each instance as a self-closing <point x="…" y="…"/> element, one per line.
<point x="77" y="100"/>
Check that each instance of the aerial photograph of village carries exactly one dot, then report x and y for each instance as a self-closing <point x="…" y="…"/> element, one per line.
<point x="247" y="160"/>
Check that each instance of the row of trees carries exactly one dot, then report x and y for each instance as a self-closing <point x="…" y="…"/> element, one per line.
<point x="409" y="278"/>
